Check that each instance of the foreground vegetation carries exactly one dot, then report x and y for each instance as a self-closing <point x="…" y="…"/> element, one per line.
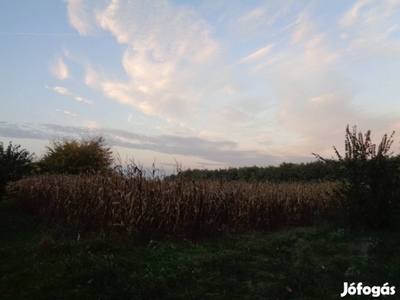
<point x="97" y="232"/>
<point x="136" y="206"/>
<point x="42" y="260"/>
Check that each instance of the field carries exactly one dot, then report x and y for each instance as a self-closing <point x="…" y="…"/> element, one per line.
<point x="182" y="207"/>
<point x="42" y="260"/>
<point x="109" y="237"/>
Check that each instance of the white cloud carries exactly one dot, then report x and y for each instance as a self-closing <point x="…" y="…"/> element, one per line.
<point x="59" y="69"/>
<point x="287" y="87"/>
<point x="167" y="80"/>
<point x="79" y="16"/>
<point x="351" y="16"/>
<point x="249" y="24"/>
<point x="80" y="99"/>
<point x="371" y="29"/>
<point x="168" y="51"/>
<point x="311" y="96"/>
<point x="129" y="118"/>
<point x="303" y="27"/>
<point x="159" y="30"/>
<point x="69" y="113"/>
<point x="66" y="92"/>
<point x="258" y="54"/>
<point x="61" y="90"/>
<point x="91" y="78"/>
<point x="90" y="124"/>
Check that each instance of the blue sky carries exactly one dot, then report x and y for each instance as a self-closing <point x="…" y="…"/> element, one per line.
<point x="210" y="84"/>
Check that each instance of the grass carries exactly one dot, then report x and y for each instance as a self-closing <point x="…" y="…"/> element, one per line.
<point x="40" y="260"/>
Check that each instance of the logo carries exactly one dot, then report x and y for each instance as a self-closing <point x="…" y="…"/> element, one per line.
<point x="375" y="291"/>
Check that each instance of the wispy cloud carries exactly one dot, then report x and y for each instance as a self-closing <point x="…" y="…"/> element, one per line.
<point x="61" y="90"/>
<point x="303" y="27"/>
<point x="67" y="112"/>
<point x="169" y="49"/>
<point x="224" y="152"/>
<point x="258" y="54"/>
<point x="368" y="24"/>
<point x="59" y="69"/>
<point x="313" y="95"/>
<point x="260" y="20"/>
<point x="90" y="124"/>
<point x="79" y="16"/>
<point x="351" y="16"/>
<point x="271" y="75"/>
<point x="64" y="91"/>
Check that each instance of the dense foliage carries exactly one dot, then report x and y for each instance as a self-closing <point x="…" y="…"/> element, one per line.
<point x="74" y="157"/>
<point x="14" y="164"/>
<point x="303" y="172"/>
<point x="370" y="181"/>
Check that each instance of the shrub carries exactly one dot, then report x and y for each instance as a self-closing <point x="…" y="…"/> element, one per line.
<point x="14" y="164"/>
<point x="73" y="157"/>
<point x="369" y="181"/>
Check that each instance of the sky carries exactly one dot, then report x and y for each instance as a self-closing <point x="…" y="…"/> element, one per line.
<point x="209" y="84"/>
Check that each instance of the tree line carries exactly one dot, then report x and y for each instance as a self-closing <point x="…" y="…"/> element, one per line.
<point x="304" y="172"/>
<point x="327" y="170"/>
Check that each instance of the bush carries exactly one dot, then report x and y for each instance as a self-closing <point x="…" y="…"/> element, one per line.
<point x="14" y="164"/>
<point x="75" y="157"/>
<point x="369" y="181"/>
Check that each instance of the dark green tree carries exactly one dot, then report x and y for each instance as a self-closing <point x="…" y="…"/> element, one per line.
<point x="14" y="164"/>
<point x="77" y="156"/>
<point x="369" y="177"/>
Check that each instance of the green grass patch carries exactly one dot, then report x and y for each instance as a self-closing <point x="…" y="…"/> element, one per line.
<point x="39" y="260"/>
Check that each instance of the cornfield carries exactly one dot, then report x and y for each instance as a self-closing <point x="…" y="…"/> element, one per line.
<point x="138" y="205"/>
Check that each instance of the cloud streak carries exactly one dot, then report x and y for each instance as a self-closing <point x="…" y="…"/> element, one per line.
<point x="223" y="152"/>
<point x="64" y="91"/>
<point x="59" y="69"/>
<point x="67" y="113"/>
<point x="80" y="16"/>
